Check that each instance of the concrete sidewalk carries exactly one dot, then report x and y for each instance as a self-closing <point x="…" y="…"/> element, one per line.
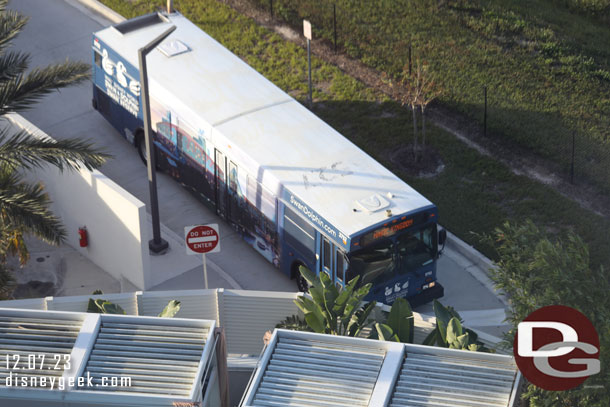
<point x="64" y="271"/>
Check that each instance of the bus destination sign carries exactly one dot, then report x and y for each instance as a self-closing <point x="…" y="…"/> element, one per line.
<point x="385" y="231"/>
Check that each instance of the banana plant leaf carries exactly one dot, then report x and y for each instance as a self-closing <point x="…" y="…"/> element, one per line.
<point x="401" y="320"/>
<point x="358" y="320"/>
<point x="385" y="333"/>
<point x="170" y="310"/>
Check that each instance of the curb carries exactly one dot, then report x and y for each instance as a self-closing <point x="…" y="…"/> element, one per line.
<point x="105" y="11"/>
<point x="469" y="252"/>
<point x="481" y="264"/>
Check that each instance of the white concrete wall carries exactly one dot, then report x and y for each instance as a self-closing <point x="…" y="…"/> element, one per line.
<point x="115" y="220"/>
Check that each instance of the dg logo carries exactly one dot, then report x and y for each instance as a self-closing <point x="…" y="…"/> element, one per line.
<point x="557" y="348"/>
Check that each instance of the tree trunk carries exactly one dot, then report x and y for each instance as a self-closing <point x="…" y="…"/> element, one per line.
<point x="423" y="127"/>
<point x="414" y="109"/>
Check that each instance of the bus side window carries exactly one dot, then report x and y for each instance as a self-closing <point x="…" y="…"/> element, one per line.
<point x="232" y="177"/>
<point x="180" y="141"/>
<point x="98" y="58"/>
<point x="200" y="154"/>
<point x="326" y="254"/>
<point x="299" y="234"/>
<point x="339" y="264"/>
<point x="261" y="199"/>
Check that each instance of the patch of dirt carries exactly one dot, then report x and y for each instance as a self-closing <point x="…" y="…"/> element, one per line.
<point x="426" y="164"/>
<point x="287" y="32"/>
<point x="34" y="289"/>
<point x="520" y="160"/>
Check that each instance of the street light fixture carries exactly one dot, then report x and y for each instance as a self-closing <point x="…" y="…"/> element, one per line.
<point x="157" y="245"/>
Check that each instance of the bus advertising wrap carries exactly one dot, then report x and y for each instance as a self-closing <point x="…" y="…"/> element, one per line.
<point x="121" y="81"/>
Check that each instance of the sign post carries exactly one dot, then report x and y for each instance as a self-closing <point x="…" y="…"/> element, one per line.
<point x="202" y="239"/>
<point x="307" y="34"/>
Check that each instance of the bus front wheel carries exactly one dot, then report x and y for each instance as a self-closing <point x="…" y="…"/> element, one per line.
<point x="302" y="284"/>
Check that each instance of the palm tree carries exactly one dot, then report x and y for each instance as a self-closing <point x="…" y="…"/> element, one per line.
<point x="24" y="206"/>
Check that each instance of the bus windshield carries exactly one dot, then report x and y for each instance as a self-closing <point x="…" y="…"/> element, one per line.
<point x="404" y="253"/>
<point x="417" y="248"/>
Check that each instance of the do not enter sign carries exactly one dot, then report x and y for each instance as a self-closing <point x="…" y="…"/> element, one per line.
<point x="202" y="239"/>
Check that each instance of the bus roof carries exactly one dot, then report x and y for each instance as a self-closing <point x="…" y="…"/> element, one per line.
<point x="280" y="142"/>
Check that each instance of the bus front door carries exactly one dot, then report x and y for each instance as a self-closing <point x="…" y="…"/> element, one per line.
<point x="327" y="258"/>
<point x="220" y="175"/>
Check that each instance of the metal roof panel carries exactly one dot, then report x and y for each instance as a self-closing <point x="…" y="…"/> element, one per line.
<point x="165" y="358"/>
<point x="306" y="369"/>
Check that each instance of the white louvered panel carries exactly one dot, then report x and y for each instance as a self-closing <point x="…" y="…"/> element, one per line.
<point x="304" y="372"/>
<point x="194" y="304"/>
<point x="51" y="338"/>
<point x="127" y="301"/>
<point x="30" y="303"/>
<point x="441" y="380"/>
<point x="160" y="359"/>
<point x="246" y="316"/>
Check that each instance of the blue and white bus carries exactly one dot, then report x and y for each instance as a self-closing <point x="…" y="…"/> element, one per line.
<point x="299" y="192"/>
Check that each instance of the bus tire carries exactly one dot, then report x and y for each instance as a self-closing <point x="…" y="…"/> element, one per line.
<point x="141" y="146"/>
<point x="302" y="284"/>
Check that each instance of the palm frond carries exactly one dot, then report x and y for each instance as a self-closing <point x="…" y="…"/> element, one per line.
<point x="11" y="23"/>
<point x="12" y="243"/>
<point x="20" y="93"/>
<point x="12" y="64"/>
<point x="24" y="150"/>
<point x="7" y="282"/>
<point x="25" y="206"/>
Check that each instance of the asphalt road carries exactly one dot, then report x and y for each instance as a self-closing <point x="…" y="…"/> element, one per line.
<point x="60" y="29"/>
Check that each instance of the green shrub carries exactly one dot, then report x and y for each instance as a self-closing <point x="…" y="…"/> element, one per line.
<point x="536" y="271"/>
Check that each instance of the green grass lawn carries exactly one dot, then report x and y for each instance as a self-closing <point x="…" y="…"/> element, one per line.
<point x="474" y="193"/>
<point x="546" y="68"/>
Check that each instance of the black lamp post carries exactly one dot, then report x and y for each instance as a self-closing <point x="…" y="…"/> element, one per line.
<point x="157" y="245"/>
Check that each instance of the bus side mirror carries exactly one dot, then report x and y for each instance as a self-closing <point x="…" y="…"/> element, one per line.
<point x="442" y="237"/>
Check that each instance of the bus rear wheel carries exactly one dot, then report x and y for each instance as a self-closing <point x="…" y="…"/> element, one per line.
<point x="141" y="146"/>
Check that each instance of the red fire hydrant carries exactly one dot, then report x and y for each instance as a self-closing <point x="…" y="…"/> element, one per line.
<point x="83" y="240"/>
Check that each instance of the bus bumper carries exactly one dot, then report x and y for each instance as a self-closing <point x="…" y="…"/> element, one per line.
<point x="427" y="295"/>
